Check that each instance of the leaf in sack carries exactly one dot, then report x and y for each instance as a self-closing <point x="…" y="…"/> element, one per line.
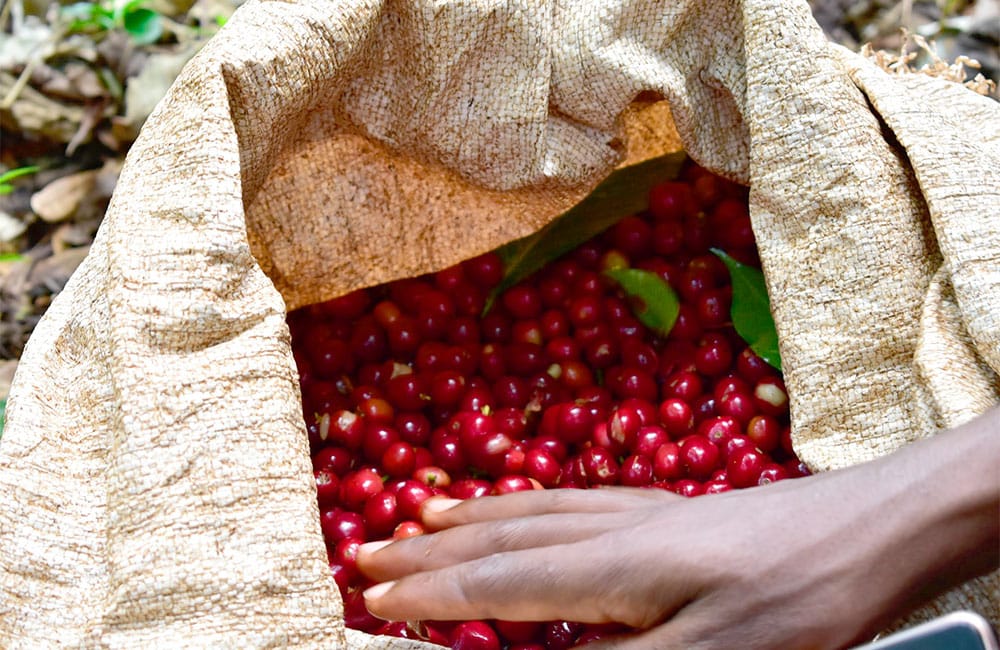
<point x="653" y="301"/>
<point x="751" y="310"/>
<point x="144" y="26"/>
<point x="622" y="193"/>
<point x="3" y="414"/>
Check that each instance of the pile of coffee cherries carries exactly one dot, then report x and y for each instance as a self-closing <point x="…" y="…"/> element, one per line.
<point x="411" y="390"/>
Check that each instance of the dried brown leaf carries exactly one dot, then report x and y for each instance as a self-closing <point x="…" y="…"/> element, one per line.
<point x="52" y="273"/>
<point x="60" y="199"/>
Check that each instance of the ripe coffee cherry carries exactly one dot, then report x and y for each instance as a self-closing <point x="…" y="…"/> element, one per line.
<point x="744" y="467"/>
<point x="356" y="615"/>
<point x="737" y="405"/>
<point x="751" y="367"/>
<point x="487" y="451"/>
<point x="676" y="417"/>
<point x="447" y="451"/>
<point x="470" y="488"/>
<point x="672" y="201"/>
<point x="431" y="476"/>
<point x="357" y="487"/>
<point x="717" y="486"/>
<point x="518" y="631"/>
<point x="551" y="444"/>
<point x="629" y="381"/>
<point x="770" y="396"/>
<point x="410" y="497"/>
<point x="523" y="301"/>
<point x="484" y="271"/>
<point x="327" y="486"/>
<point x="378" y="438"/>
<point x="765" y="432"/>
<point x="474" y="635"/>
<point x="347" y="429"/>
<point x="346" y="552"/>
<point x="772" y="472"/>
<point x="562" y="635"/>
<point x="667" y="238"/>
<point x="667" y="464"/>
<point x="398" y="629"/>
<point x="700" y="457"/>
<point x="734" y="445"/>
<point x="688" y="488"/>
<point x="413" y="428"/>
<point x="713" y="357"/>
<point x="623" y="426"/>
<point x="340" y="524"/>
<point x="600" y="466"/>
<point x="637" y="471"/>
<point x="719" y="429"/>
<point x="513" y="483"/>
<point x="540" y="465"/>
<point x="408" y="529"/>
<point x="376" y="409"/>
<point x="399" y="459"/>
<point x="337" y="459"/>
<point x="729" y="384"/>
<point x="380" y="513"/>
<point x="649" y="439"/>
<point x="684" y="385"/>
<point x="632" y="236"/>
<point x="343" y="576"/>
<point x="407" y="392"/>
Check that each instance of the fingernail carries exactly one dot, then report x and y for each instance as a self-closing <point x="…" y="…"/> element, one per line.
<point x="440" y="504"/>
<point x="376" y="592"/>
<point x="371" y="547"/>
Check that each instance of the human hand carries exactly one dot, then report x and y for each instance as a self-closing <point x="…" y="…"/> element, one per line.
<point x="820" y="562"/>
<point x="713" y="572"/>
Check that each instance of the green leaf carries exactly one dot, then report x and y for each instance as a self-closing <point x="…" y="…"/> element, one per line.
<point x="751" y="310"/>
<point x="11" y="257"/>
<point x="622" y="193"/>
<point x="17" y="172"/>
<point x="3" y="414"/>
<point x="5" y="186"/>
<point x="144" y="26"/>
<point x="654" y="302"/>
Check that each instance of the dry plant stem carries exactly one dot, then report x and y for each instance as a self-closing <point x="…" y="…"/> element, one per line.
<point x="955" y="71"/>
<point x="819" y="562"/>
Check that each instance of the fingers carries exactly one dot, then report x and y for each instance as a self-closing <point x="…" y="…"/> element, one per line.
<point x="537" y="502"/>
<point x="554" y="582"/>
<point x="476" y="540"/>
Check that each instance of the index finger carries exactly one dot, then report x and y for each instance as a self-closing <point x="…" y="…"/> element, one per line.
<point x="446" y="513"/>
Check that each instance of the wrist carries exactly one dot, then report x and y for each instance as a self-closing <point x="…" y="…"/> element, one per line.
<point x="932" y="514"/>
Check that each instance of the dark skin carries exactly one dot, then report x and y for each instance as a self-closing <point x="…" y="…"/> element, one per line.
<point x="820" y="562"/>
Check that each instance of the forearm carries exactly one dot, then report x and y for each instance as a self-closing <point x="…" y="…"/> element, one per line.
<point x="932" y="513"/>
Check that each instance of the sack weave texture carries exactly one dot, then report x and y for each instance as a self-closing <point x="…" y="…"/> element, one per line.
<point x="155" y="482"/>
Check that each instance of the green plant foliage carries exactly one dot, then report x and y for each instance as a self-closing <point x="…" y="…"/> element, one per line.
<point x="751" y="310"/>
<point x="653" y="301"/>
<point x="622" y="193"/>
<point x="143" y="25"/>
<point x="5" y="178"/>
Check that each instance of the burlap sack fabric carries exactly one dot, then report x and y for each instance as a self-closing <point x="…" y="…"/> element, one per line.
<point x="156" y="481"/>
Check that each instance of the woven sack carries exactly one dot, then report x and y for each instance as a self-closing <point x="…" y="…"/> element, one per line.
<point x="155" y="484"/>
